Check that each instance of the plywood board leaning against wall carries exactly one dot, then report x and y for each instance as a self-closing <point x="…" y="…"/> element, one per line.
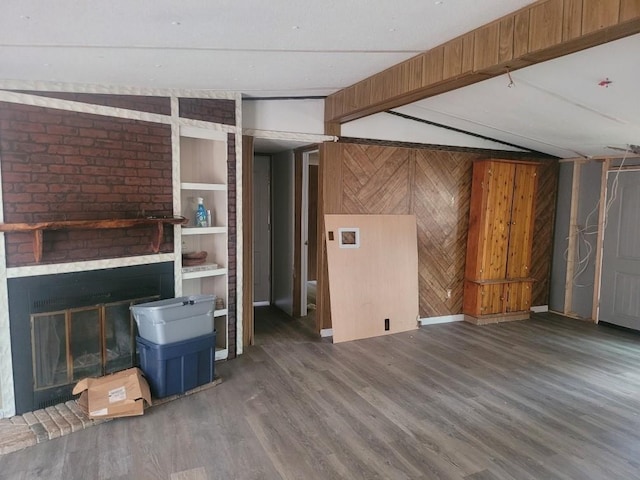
<point x="373" y="274"/>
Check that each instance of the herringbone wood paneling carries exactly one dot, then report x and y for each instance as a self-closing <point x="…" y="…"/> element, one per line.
<point x="435" y="185"/>
<point x="545" y="212"/>
<point x="441" y="192"/>
<point x="376" y="180"/>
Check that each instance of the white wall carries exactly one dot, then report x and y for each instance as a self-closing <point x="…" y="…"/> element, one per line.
<point x="282" y="228"/>
<point x="297" y="116"/>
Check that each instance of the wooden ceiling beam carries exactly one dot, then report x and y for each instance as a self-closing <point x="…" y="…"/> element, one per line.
<point x="542" y="31"/>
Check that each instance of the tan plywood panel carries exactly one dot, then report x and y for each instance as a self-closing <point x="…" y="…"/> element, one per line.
<point x="374" y="281"/>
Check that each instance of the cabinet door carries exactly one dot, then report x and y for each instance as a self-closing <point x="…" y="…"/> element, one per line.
<point x="521" y="222"/>
<point x="483" y="299"/>
<point x="518" y="297"/>
<point x="492" y="299"/>
<point x="498" y="188"/>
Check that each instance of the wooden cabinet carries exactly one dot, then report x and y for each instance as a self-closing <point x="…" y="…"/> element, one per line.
<point x="497" y="273"/>
<point x="203" y="174"/>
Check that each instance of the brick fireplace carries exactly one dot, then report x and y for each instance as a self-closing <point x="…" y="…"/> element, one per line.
<point x="69" y="163"/>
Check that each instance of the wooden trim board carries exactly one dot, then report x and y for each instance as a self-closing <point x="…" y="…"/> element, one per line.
<point x="247" y="235"/>
<point x="376" y="281"/>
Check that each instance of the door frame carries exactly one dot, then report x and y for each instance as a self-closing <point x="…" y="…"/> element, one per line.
<point x="301" y="212"/>
<point x="247" y="221"/>
<point x="304" y="219"/>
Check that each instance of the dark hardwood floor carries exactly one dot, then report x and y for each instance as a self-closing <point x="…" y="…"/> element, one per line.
<point x="540" y="399"/>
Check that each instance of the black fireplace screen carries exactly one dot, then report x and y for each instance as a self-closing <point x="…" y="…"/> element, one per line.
<point x="71" y="344"/>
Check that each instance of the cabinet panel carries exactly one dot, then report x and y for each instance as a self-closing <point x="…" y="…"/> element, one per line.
<point x="498" y="190"/>
<point x="521" y="228"/>
<point x="492" y="299"/>
<point x="518" y="297"/>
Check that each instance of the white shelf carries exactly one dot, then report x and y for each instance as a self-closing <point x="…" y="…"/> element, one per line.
<point x="203" y="170"/>
<point x="204" y="273"/>
<point x="203" y="186"/>
<point x="203" y="230"/>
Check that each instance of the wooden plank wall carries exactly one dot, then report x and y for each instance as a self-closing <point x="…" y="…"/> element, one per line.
<point x="435" y="185"/>
<point x="541" y="31"/>
<point x="545" y="219"/>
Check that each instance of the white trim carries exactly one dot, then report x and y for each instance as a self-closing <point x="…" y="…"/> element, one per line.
<point x="55" y="268"/>
<point x="301" y="137"/>
<point x="73" y="106"/>
<point x="214" y="129"/>
<point x="326" y="332"/>
<point x="443" y="319"/>
<point x="540" y="308"/>
<point x="263" y="303"/>
<point x="10" y="84"/>
<point x="202" y="130"/>
<point x="237" y="129"/>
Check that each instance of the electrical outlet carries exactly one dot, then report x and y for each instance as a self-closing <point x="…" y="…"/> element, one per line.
<point x="448" y="293"/>
<point x="386" y="324"/>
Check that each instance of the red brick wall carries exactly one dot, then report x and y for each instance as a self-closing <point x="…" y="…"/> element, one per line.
<point x="208" y="110"/>
<point x="141" y="103"/>
<point x="232" y="239"/>
<point x="59" y="165"/>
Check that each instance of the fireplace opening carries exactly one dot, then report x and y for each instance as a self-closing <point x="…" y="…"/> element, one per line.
<point x="70" y="326"/>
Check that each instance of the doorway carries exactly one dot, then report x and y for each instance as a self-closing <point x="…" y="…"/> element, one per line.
<point x="261" y="230"/>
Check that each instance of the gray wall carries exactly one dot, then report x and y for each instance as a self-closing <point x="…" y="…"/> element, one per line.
<point x="590" y="178"/>
<point x="282" y="188"/>
<point x="560" y="242"/>
<point x="588" y="196"/>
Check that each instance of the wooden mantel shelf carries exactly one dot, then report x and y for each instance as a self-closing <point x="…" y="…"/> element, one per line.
<point x="38" y="228"/>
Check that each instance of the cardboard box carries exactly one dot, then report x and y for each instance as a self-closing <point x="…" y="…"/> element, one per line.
<point x="120" y="394"/>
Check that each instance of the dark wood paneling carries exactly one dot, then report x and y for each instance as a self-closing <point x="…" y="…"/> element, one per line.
<point x="435" y="185"/>
<point x="441" y="192"/>
<point x="375" y="180"/>
<point x="247" y="238"/>
<point x="543" y="231"/>
<point x="313" y="224"/>
<point x="297" y="234"/>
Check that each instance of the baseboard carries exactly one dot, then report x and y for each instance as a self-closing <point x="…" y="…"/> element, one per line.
<point x="444" y="319"/>
<point x="261" y="304"/>
<point x="326" y="332"/>
<point x="540" y="308"/>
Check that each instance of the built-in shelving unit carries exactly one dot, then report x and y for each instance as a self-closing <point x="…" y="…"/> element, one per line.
<point x="203" y="174"/>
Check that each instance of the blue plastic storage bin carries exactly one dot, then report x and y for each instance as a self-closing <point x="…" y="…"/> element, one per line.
<point x="174" y="368"/>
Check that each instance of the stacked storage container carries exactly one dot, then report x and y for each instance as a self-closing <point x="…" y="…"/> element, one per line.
<point x="176" y="343"/>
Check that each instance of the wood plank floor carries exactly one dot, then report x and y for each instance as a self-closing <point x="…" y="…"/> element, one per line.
<point x="541" y="399"/>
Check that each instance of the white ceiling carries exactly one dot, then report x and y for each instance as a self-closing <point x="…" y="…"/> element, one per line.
<point x="287" y="48"/>
<point x="556" y="107"/>
<point x="257" y="47"/>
